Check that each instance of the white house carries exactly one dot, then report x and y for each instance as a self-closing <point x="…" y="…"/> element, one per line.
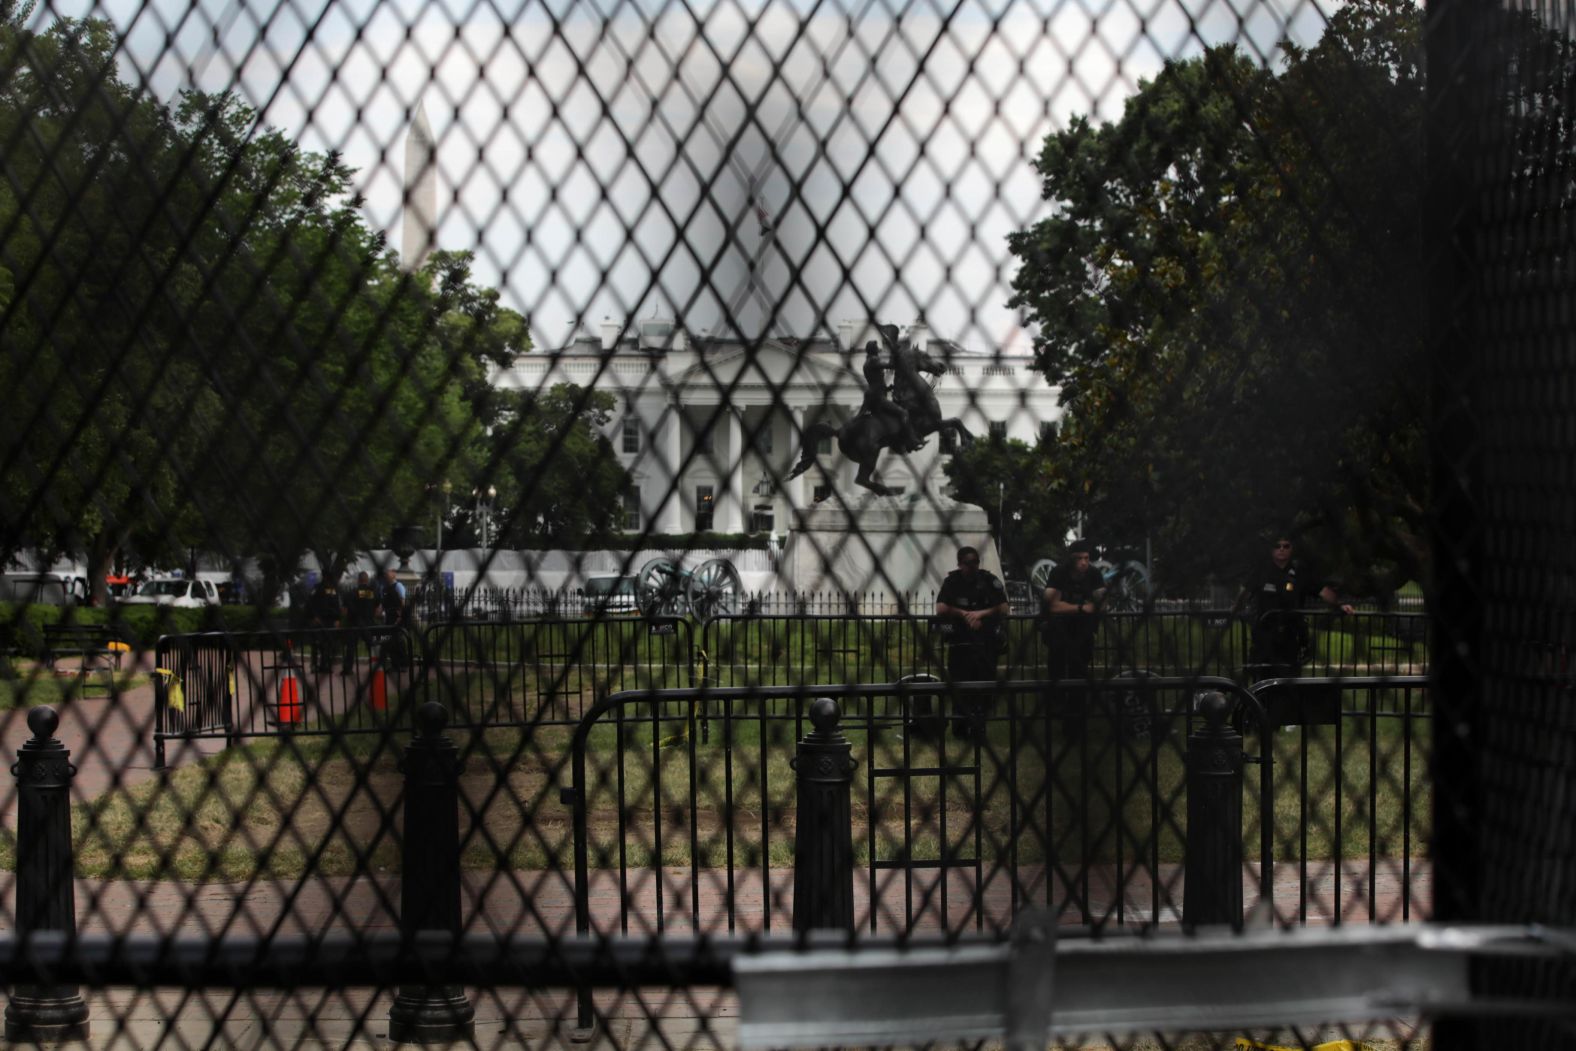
<point x="711" y="427"/>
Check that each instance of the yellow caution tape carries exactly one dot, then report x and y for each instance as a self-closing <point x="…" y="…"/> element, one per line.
<point x="173" y="694"/>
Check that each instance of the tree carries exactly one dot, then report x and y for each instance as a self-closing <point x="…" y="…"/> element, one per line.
<point x="1007" y="478"/>
<point x="1229" y="293"/>
<point x="102" y="404"/>
<point x="209" y="347"/>
<point x="560" y="482"/>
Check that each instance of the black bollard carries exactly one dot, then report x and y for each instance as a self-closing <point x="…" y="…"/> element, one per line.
<point x="823" y="863"/>
<point x="430" y="891"/>
<point x="1212" y="893"/>
<point x="45" y="898"/>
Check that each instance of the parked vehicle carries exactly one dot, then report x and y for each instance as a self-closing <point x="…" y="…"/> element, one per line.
<point x="175" y="591"/>
<point x="611" y="596"/>
<point x="42" y="589"/>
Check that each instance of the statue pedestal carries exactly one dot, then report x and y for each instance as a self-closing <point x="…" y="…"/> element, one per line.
<point x="896" y="545"/>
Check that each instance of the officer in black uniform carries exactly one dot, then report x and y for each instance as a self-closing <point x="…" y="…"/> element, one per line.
<point x="364" y="610"/>
<point x="972" y="603"/>
<point x="395" y="613"/>
<point x="1069" y="613"/>
<point x="1276" y="592"/>
<point x="323" y="612"/>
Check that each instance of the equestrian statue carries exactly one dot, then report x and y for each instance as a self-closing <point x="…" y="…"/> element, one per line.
<point x="899" y="418"/>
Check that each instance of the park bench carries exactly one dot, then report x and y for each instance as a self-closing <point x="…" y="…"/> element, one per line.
<point x="89" y="641"/>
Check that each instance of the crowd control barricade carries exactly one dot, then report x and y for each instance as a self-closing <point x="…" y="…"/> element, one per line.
<point x="232" y="686"/>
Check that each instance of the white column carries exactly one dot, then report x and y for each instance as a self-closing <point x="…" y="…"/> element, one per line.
<point x="733" y="508"/>
<point x="669" y="470"/>
<point x="795" y="494"/>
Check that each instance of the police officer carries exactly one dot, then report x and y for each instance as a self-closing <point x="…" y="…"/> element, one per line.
<point x="1276" y="592"/>
<point x="973" y="603"/>
<point x="1069" y="613"/>
<point x="323" y="614"/>
<point x="364" y="611"/>
<point x="392" y="599"/>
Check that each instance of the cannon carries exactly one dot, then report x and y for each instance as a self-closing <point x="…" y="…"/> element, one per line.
<point x="712" y="589"/>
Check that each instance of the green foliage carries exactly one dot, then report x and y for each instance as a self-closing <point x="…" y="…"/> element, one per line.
<point x="1226" y="292"/>
<point x="1026" y="489"/>
<point x="559" y="477"/>
<point x="209" y="348"/>
<point x="22" y="627"/>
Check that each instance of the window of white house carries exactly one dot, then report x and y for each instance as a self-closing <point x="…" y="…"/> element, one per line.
<point x="763" y="439"/>
<point x="998" y="430"/>
<point x="1047" y="431"/>
<point x="761" y="521"/>
<point x="632" y="509"/>
<point x="703" y="436"/>
<point x="631" y="434"/>
<point x="705" y="507"/>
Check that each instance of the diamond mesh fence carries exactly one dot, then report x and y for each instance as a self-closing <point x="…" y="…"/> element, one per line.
<point x="508" y="506"/>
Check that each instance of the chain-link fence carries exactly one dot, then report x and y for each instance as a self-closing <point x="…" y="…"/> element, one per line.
<point x="515" y="513"/>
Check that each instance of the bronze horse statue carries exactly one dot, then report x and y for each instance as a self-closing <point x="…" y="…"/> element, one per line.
<point x="864" y="437"/>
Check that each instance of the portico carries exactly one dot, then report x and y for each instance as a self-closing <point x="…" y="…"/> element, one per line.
<point x="710" y="428"/>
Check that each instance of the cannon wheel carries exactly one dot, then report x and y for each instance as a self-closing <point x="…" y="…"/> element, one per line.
<point x="714" y="589"/>
<point x="1040" y="575"/>
<point x="1128" y="589"/>
<point x="660" y="590"/>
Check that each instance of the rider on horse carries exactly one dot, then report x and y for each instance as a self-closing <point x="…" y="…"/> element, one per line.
<point x="899" y="421"/>
<point x="877" y="403"/>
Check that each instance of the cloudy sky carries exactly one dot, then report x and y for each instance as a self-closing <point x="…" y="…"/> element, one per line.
<point x="605" y="159"/>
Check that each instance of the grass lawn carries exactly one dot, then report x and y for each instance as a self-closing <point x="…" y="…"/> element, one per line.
<point x="30" y="684"/>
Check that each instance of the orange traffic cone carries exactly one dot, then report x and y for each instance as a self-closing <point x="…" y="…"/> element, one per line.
<point x="380" y="690"/>
<point x="289" y="699"/>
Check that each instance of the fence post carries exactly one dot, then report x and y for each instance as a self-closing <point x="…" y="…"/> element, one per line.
<point x="45" y="898"/>
<point x="430" y="889"/>
<point x="823" y="865"/>
<point x="1212" y="891"/>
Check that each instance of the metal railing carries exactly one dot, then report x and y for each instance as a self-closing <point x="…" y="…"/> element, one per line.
<point x="549" y="670"/>
<point x="313" y="681"/>
<point x="1068" y="800"/>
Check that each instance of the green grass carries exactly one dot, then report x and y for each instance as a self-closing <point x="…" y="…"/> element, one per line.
<point x="29" y="685"/>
